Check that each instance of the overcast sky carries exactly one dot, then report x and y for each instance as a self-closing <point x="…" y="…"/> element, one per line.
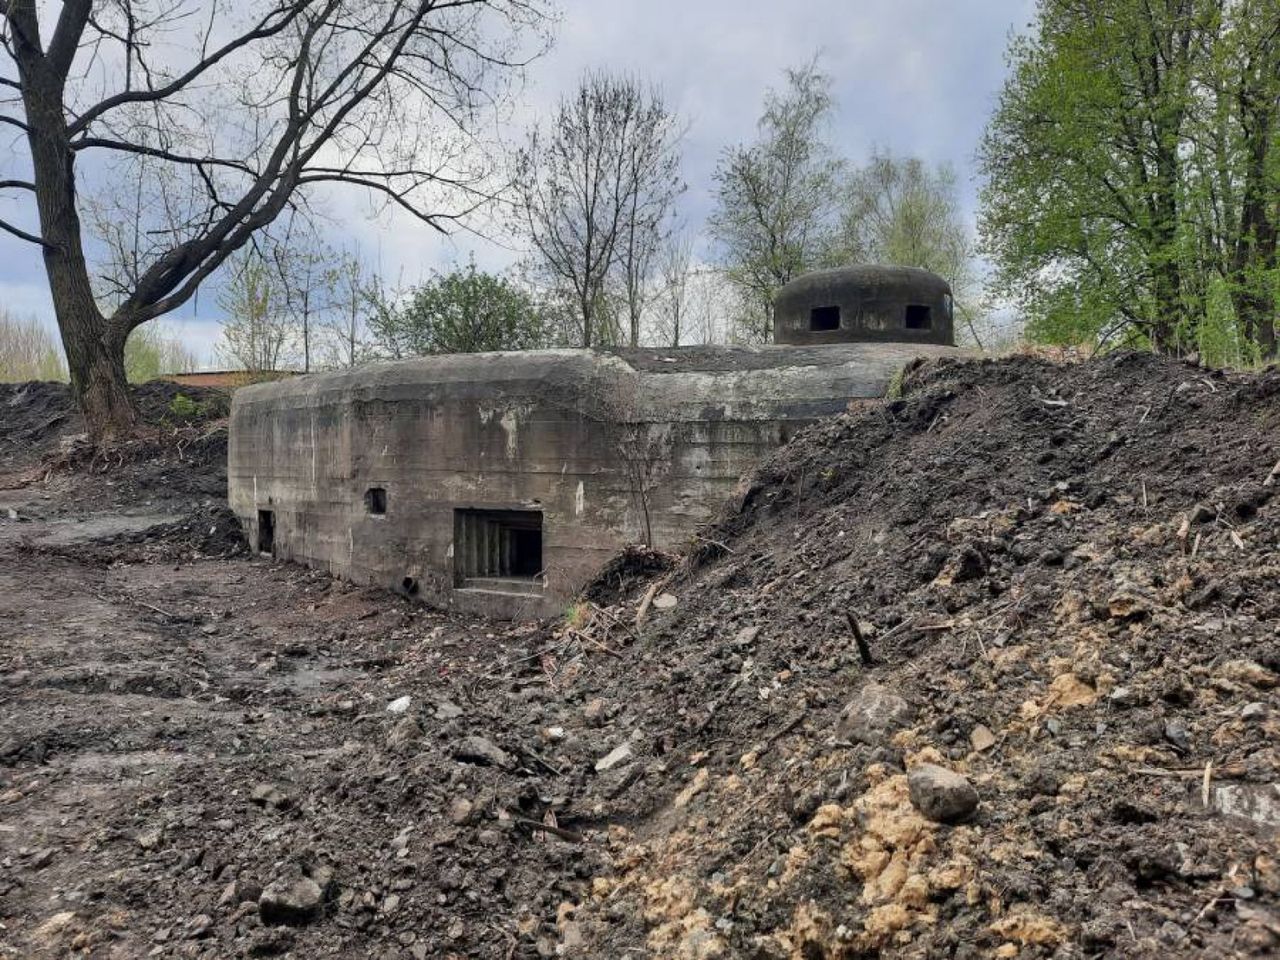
<point x="913" y="76"/>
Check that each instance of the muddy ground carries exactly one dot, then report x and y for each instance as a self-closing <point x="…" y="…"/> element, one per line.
<point x="1060" y="583"/>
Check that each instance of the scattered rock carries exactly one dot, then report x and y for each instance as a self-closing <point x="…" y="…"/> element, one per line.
<point x="448" y="710"/>
<point x="198" y="926"/>
<point x="41" y="858"/>
<point x="1253" y="711"/>
<point x="399" y="704"/>
<point x="941" y="794"/>
<point x="981" y="738"/>
<point x="460" y="809"/>
<point x="150" y="837"/>
<point x="239" y="891"/>
<point x="482" y="751"/>
<point x="874" y="715"/>
<point x="270" y="795"/>
<point x="615" y="757"/>
<point x="593" y="712"/>
<point x="1259" y="802"/>
<point x="291" y="902"/>
<point x="665" y="601"/>
<point x="1175" y="731"/>
<point x="746" y="636"/>
<point x="405" y="732"/>
<point x="1122" y="697"/>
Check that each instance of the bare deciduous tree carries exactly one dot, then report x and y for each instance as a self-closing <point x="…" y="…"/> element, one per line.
<point x="27" y="351"/>
<point x="899" y="210"/>
<point x="348" y="288"/>
<point x="258" y="332"/>
<point x="243" y="113"/>
<point x="676" y="267"/>
<point x="596" y="190"/>
<point x="777" y="199"/>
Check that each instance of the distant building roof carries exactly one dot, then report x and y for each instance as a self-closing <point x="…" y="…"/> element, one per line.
<point x="226" y="378"/>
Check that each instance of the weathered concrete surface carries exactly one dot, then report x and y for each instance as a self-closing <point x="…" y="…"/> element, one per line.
<point x="606" y="446"/>
<point x="866" y="303"/>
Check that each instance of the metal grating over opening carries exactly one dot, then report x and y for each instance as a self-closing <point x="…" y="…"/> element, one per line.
<point x="497" y="549"/>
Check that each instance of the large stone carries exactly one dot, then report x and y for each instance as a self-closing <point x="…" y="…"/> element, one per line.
<point x="874" y="715"/>
<point x="291" y="902"/>
<point x="941" y="794"/>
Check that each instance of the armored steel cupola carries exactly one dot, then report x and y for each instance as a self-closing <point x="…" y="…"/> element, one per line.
<point x="865" y="303"/>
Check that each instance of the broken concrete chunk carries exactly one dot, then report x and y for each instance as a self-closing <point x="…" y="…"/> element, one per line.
<point x="1259" y="802"/>
<point x="290" y="902"/>
<point x="399" y="704"/>
<point x="614" y="758"/>
<point x="941" y="794"/>
<point x="874" y="715"/>
<point x="482" y="751"/>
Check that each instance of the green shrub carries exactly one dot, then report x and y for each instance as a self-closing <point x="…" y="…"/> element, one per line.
<point x="184" y="408"/>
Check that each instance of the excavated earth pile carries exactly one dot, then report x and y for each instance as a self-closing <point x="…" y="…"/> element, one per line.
<point x="987" y="669"/>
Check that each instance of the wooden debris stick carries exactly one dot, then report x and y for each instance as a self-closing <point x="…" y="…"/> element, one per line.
<point x="1271" y="477"/>
<point x="644" y="604"/>
<point x="538" y="825"/>
<point x="864" y="651"/>
<point x="1193" y="773"/>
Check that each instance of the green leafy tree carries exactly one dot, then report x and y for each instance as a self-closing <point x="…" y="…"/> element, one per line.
<point x="1131" y="174"/>
<point x="465" y="311"/>
<point x="778" y="199"/>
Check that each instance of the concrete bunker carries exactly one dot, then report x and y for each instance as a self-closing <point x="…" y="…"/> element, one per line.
<point x="501" y="483"/>
<point x="865" y="304"/>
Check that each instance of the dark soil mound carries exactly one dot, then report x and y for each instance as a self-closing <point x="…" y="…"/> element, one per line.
<point x="1067" y="579"/>
<point x="36" y="417"/>
<point x="178" y="455"/>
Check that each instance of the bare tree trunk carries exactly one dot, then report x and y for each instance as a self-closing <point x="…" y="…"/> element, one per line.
<point x="94" y="348"/>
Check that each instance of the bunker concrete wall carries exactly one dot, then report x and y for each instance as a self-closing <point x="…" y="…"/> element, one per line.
<point x="586" y="438"/>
